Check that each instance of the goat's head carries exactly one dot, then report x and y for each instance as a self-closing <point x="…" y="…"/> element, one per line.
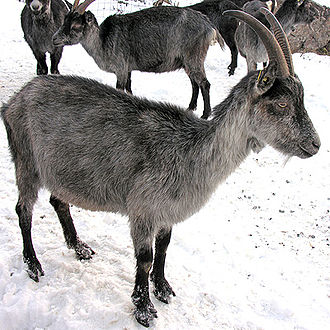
<point x="278" y="114"/>
<point x="38" y="7"/>
<point x="75" y="24"/>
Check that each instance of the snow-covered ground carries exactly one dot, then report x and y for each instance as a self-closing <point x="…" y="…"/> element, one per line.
<point x="255" y="257"/>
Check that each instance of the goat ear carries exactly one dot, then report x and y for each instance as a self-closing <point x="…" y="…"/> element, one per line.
<point x="89" y="17"/>
<point x="266" y="78"/>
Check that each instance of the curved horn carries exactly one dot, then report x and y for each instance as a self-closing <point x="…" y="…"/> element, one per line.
<point x="82" y="7"/>
<point x="75" y="4"/>
<point x="274" y="50"/>
<point x="280" y="37"/>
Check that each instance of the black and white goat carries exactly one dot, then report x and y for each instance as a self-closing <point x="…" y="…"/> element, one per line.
<point x="102" y="149"/>
<point x="40" y="19"/>
<point x="158" y="39"/>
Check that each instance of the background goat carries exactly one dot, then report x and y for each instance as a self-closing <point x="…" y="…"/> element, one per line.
<point x="227" y="26"/>
<point x="102" y="149"/>
<point x="40" y="19"/>
<point x="291" y="13"/>
<point x="158" y="39"/>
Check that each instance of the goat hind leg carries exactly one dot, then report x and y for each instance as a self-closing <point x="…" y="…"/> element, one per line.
<point x="128" y="85"/>
<point x="230" y="41"/>
<point x="162" y="290"/>
<point x="194" y="97"/>
<point x="24" y="212"/>
<point x="251" y="65"/>
<point x="83" y="251"/>
<point x="205" y="88"/>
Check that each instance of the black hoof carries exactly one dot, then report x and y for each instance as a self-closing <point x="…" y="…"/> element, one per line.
<point x="34" y="269"/>
<point x="231" y="70"/>
<point x="144" y="315"/>
<point x="83" y="251"/>
<point x="205" y="116"/>
<point x="162" y="290"/>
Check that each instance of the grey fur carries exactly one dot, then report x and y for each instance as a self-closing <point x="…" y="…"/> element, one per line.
<point x="290" y="14"/>
<point x="158" y="39"/>
<point x="40" y="19"/>
<point x="101" y="149"/>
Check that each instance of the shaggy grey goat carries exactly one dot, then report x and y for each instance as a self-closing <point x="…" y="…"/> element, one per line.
<point x="227" y="26"/>
<point x="40" y="19"/>
<point x="158" y="39"/>
<point x="291" y="13"/>
<point x="102" y="149"/>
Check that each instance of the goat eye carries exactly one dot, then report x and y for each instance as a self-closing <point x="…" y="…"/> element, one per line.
<point x="76" y="27"/>
<point x="282" y="105"/>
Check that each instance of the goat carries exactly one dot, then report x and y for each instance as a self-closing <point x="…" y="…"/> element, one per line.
<point x="291" y="13"/>
<point x="40" y="19"/>
<point x="102" y="149"/>
<point x="227" y="26"/>
<point x="158" y="39"/>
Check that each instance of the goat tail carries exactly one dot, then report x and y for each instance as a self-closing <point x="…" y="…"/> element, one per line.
<point x="215" y="37"/>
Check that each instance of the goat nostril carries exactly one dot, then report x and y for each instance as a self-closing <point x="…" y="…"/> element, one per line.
<point x="35" y="7"/>
<point x="316" y="144"/>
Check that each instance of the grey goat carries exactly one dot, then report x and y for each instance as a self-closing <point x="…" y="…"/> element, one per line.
<point x="158" y="39"/>
<point x="227" y="26"/>
<point x="102" y="149"/>
<point x="40" y="19"/>
<point x="291" y="13"/>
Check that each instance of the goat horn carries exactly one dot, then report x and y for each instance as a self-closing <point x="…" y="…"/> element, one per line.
<point x="82" y="7"/>
<point x="75" y="4"/>
<point x="274" y="50"/>
<point x="280" y="37"/>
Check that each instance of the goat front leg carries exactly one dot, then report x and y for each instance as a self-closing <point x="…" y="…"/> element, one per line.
<point x="41" y="62"/>
<point x="162" y="290"/>
<point x="83" y="251"/>
<point x="55" y="58"/>
<point x="142" y="236"/>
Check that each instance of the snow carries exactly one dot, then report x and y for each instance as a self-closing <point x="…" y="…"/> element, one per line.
<point x="255" y="257"/>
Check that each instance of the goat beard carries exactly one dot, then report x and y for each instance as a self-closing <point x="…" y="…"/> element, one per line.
<point x="286" y="159"/>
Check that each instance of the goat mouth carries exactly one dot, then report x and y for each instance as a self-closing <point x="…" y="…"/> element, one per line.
<point x="37" y="13"/>
<point x="306" y="153"/>
<point x="57" y="43"/>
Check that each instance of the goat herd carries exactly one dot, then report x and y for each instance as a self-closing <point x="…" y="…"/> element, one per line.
<point x="102" y="149"/>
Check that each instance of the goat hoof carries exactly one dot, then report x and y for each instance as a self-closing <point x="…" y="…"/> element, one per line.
<point x="205" y="116"/>
<point x="34" y="269"/>
<point x="83" y="251"/>
<point x="145" y="314"/>
<point x="231" y="70"/>
<point x="162" y="290"/>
